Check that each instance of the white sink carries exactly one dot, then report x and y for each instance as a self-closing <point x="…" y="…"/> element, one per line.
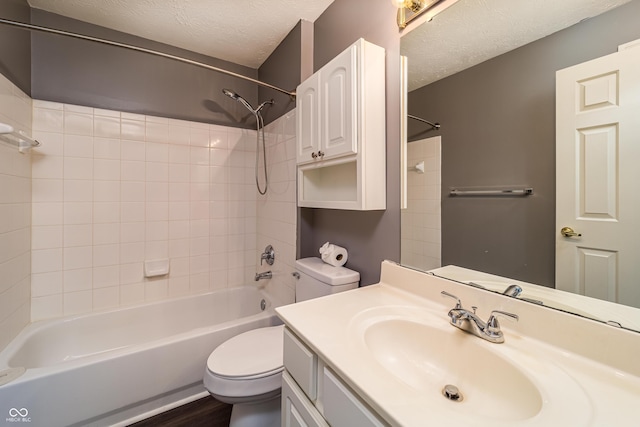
<point x="500" y="384"/>
<point x="428" y="358"/>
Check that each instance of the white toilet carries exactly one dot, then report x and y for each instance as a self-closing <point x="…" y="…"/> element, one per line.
<point x="246" y="370"/>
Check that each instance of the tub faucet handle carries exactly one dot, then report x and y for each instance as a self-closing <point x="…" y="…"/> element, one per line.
<point x="268" y="255"/>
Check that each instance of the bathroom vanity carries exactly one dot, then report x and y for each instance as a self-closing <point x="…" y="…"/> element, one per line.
<point x="388" y="354"/>
<point x="312" y="392"/>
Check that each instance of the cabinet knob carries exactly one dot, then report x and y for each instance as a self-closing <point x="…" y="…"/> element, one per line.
<point x="320" y="154"/>
<point x="314" y="155"/>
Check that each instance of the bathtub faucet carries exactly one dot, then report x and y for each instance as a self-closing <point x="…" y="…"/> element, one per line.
<point x="265" y="275"/>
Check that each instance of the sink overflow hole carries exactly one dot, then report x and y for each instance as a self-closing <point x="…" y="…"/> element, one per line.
<point x="451" y="392"/>
<point x="263" y="305"/>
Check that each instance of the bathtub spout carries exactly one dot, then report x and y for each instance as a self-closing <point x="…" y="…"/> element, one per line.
<point x="265" y="275"/>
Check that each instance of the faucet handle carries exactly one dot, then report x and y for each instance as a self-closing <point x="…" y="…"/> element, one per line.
<point x="269" y="255"/>
<point x="493" y="327"/>
<point x="458" y="303"/>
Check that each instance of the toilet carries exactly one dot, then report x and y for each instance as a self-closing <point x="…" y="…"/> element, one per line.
<point x="246" y="370"/>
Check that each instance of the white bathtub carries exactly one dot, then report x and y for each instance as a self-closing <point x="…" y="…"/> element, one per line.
<point x="120" y="366"/>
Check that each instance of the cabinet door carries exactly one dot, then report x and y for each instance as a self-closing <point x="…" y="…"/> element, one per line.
<point x="339" y="105"/>
<point x="342" y="408"/>
<point x="308" y="118"/>
<point x="301" y="363"/>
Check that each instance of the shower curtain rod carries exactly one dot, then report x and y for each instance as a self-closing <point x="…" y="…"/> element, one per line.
<point x="420" y="119"/>
<point x="141" y="49"/>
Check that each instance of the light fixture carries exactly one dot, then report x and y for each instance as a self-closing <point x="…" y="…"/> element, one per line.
<point x="408" y="10"/>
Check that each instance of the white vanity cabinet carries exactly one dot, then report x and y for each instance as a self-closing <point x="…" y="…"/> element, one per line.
<point x="314" y="395"/>
<point x="341" y="132"/>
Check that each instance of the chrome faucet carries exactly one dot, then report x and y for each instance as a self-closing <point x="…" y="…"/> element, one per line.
<point x="514" y="291"/>
<point x="265" y="275"/>
<point x="469" y="322"/>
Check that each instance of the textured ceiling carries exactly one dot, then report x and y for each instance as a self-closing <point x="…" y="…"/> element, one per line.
<point x="472" y="31"/>
<point x="245" y="32"/>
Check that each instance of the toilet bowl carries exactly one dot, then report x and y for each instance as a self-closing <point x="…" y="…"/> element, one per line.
<point x="246" y="370"/>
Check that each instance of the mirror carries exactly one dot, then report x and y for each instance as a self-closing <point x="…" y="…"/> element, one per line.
<point x="486" y="73"/>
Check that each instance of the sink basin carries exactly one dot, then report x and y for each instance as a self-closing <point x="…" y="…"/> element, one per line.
<point x="416" y="353"/>
<point x="427" y="358"/>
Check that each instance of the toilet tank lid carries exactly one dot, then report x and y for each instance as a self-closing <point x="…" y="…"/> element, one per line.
<point x="326" y="273"/>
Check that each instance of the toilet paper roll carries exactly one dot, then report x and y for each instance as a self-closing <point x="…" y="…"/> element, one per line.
<point x="333" y="254"/>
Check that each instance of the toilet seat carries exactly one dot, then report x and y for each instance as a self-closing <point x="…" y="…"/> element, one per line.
<point x="247" y="365"/>
<point x="236" y="357"/>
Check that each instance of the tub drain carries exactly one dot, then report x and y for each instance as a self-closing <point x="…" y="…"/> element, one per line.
<point x="451" y="392"/>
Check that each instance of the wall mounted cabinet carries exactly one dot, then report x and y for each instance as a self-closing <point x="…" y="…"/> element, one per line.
<point x="341" y="132"/>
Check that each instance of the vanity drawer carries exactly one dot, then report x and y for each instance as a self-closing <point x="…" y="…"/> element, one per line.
<point x="341" y="407"/>
<point x="297" y="410"/>
<point x="301" y="363"/>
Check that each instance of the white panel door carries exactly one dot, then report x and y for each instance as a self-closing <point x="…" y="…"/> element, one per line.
<point x="597" y="178"/>
<point x="308" y="119"/>
<point x="339" y="106"/>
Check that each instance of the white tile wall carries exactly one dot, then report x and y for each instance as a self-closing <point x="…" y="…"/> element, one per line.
<point x="421" y="221"/>
<point x="277" y="211"/>
<point x="113" y="189"/>
<point x="15" y="217"/>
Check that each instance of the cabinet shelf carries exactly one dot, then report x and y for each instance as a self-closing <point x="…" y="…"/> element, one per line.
<point x="331" y="186"/>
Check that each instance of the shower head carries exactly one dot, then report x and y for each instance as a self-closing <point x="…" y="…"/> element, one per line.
<point x="260" y="126"/>
<point x="231" y="94"/>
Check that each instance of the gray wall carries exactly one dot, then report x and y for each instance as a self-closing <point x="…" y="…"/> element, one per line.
<point x="498" y="128"/>
<point x="282" y="69"/>
<point x="370" y="237"/>
<point x="80" y="72"/>
<point x="87" y="73"/>
<point x="15" y="45"/>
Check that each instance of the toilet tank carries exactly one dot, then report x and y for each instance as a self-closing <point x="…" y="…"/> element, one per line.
<point x="318" y="278"/>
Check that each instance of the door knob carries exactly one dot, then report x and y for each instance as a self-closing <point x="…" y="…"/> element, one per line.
<point x="568" y="232"/>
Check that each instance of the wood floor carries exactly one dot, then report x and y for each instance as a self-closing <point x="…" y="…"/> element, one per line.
<point x="206" y="412"/>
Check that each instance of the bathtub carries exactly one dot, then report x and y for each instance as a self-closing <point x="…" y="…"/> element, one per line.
<point x="120" y="366"/>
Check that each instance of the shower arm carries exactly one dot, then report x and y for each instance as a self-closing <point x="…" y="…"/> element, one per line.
<point x="39" y="28"/>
